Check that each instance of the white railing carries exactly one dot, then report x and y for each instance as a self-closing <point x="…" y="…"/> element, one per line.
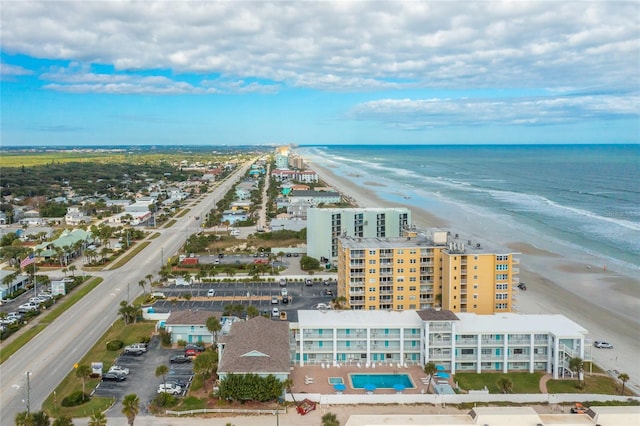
<point x="226" y="410"/>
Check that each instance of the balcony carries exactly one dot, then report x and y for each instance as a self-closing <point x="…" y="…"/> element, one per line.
<point x="466" y="342"/>
<point x="492" y="342"/>
<point x="515" y="260"/>
<point x="471" y="357"/>
<point x="426" y="263"/>
<point x="440" y="342"/>
<point x="317" y="348"/>
<point x="395" y="334"/>
<point x="439" y="327"/>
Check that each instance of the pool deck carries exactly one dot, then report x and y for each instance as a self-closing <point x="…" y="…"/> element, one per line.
<point x="320" y="378"/>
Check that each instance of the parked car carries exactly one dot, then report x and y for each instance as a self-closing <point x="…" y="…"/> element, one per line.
<point x="119" y="370"/>
<point x="211" y="292"/>
<point x="328" y="292"/>
<point x="112" y="376"/>
<point x="522" y="286"/>
<point x="191" y="353"/>
<point x="284" y="292"/>
<point x="274" y="300"/>
<point x="179" y="359"/>
<point x="275" y="312"/>
<point x="36" y="300"/>
<point x="28" y="307"/>
<point x="132" y="351"/>
<point x="197" y="348"/>
<point x="137" y="347"/>
<point x="308" y="282"/>
<point x="169" y="388"/>
<point x="283" y="282"/>
<point x="602" y="345"/>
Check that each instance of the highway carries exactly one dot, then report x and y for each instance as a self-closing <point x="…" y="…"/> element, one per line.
<point x="51" y="355"/>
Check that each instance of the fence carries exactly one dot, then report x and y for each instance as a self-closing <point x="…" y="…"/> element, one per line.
<point x="225" y="410"/>
<point x="343" y="399"/>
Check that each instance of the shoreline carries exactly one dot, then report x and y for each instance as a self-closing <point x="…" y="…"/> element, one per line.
<point x="556" y="285"/>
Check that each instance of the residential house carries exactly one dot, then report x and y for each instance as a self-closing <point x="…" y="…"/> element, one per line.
<point x="75" y="216"/>
<point x="257" y="346"/>
<point x="190" y="326"/>
<point x="315" y="197"/>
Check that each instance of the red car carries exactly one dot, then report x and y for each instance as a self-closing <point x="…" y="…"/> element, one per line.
<point x="191" y="353"/>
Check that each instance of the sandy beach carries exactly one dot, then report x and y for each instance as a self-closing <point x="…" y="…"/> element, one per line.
<point x="555" y="285"/>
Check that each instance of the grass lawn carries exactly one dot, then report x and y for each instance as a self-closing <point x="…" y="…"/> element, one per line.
<point x="522" y="382"/>
<point x="128" y="334"/>
<point x="593" y="384"/>
<point x="126" y="258"/>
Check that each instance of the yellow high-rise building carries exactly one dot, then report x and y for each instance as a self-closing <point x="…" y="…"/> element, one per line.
<point x="422" y="272"/>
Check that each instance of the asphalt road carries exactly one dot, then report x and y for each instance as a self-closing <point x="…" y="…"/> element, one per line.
<point x="51" y="355"/>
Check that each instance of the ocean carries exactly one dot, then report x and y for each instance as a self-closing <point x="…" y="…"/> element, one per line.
<point x="580" y="201"/>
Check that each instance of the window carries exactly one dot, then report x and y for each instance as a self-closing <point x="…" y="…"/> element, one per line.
<point x="413" y="261"/>
<point x="412" y="270"/>
<point x="475" y="296"/>
<point x="412" y="288"/>
<point x="502" y="267"/>
<point x="401" y="288"/>
<point x="412" y="279"/>
<point x="518" y="351"/>
<point x="501" y="305"/>
<point x="400" y="297"/>
<point x="475" y="257"/>
<point x="372" y="252"/>
<point x="400" y="261"/>
<point x="400" y="279"/>
<point x="372" y="289"/>
<point x="372" y="298"/>
<point x="413" y="251"/>
<point x="475" y="267"/>
<point x="502" y="296"/>
<point x="502" y="277"/>
<point x="372" y="261"/>
<point x="400" y="270"/>
<point x="400" y="251"/>
<point x="502" y="286"/>
<point x="475" y="277"/>
<point x="400" y="307"/>
<point x="502" y="257"/>
<point x="467" y="351"/>
<point x="372" y="271"/>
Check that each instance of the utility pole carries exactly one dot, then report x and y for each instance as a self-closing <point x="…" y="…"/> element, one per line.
<point x="28" y="373"/>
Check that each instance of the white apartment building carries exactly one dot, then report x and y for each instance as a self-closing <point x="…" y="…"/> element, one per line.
<point x="324" y="226"/>
<point x="458" y="342"/>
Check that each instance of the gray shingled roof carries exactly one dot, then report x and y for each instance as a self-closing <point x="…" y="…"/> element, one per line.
<point x="191" y="317"/>
<point x="248" y="340"/>
<point x="433" y="315"/>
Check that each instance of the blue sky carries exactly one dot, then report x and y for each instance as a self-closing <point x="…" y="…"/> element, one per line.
<point x="409" y="72"/>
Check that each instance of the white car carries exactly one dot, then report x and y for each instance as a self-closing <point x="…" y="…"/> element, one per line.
<point x="119" y="370"/>
<point x="275" y="312"/>
<point x="211" y="292"/>
<point x="36" y="300"/>
<point x="169" y="388"/>
<point x="28" y="307"/>
<point x="602" y="345"/>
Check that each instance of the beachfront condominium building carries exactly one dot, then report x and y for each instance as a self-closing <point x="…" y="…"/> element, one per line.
<point x="455" y="342"/>
<point x="425" y="270"/>
<point x="324" y="226"/>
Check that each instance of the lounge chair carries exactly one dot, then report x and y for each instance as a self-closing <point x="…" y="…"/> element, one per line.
<point x="359" y="365"/>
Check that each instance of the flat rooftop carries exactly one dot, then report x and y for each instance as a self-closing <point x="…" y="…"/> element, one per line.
<point x="357" y="318"/>
<point x="559" y="325"/>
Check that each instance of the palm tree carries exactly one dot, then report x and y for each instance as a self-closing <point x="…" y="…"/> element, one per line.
<point x="82" y="372"/>
<point x="339" y="302"/>
<point x="330" y="419"/>
<point x="213" y="325"/>
<point x="23" y="418"/>
<point x="430" y="369"/>
<point x="142" y="283"/>
<point x="63" y="421"/>
<point x="286" y="385"/>
<point x="504" y="384"/>
<point x="72" y="269"/>
<point x="98" y="419"/>
<point x="624" y="378"/>
<point x="40" y="418"/>
<point x="149" y="278"/>
<point x="162" y="370"/>
<point x="131" y="407"/>
<point x="576" y="364"/>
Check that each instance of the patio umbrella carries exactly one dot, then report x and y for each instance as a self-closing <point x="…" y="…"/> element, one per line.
<point x="369" y="387"/>
<point x="439" y="368"/>
<point x="399" y="387"/>
<point x="339" y="387"/>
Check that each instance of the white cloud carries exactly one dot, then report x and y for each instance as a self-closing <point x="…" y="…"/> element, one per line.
<point x="412" y="114"/>
<point x="342" y="46"/>
<point x="8" y="71"/>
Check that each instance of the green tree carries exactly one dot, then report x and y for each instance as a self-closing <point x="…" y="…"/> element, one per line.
<point x="308" y="263"/>
<point x="430" y="369"/>
<point x="287" y="385"/>
<point x="63" y="421"/>
<point x="252" y="311"/>
<point x="98" y="419"/>
<point x="142" y="284"/>
<point x="576" y="364"/>
<point x="131" y="407"/>
<point x="624" y="378"/>
<point x="330" y="419"/>
<point x="205" y="363"/>
<point x="72" y="269"/>
<point x="83" y="372"/>
<point x="339" y="302"/>
<point x="504" y="384"/>
<point x="162" y="370"/>
<point x="213" y="325"/>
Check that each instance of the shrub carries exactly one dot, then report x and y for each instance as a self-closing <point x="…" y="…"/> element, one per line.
<point x="165" y="337"/>
<point x="76" y="398"/>
<point x="144" y="339"/>
<point x="164" y="400"/>
<point x="114" y="345"/>
<point x="182" y="343"/>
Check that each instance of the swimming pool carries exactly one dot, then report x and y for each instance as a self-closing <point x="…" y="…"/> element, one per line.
<point x="380" y="381"/>
<point x="336" y="381"/>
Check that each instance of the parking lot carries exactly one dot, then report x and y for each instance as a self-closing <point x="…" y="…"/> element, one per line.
<point x="259" y="294"/>
<point x="142" y="378"/>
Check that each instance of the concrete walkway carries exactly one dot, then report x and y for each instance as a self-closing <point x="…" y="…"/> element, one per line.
<point x="543" y="382"/>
